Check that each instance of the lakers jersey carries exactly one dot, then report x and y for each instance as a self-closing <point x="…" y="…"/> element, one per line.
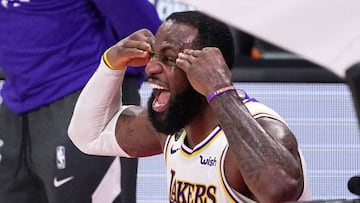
<point x="197" y="174"/>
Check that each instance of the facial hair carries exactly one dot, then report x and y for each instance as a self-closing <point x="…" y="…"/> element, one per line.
<point x="183" y="107"/>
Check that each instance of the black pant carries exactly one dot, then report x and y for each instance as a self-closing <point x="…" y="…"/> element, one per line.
<point x="36" y="156"/>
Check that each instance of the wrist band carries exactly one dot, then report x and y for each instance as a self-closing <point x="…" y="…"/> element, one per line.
<point x="220" y="91"/>
<point x="106" y="60"/>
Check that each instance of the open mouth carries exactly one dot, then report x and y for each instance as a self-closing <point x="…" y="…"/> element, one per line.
<point x="162" y="97"/>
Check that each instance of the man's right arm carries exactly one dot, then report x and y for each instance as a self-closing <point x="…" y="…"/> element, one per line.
<point x="96" y="112"/>
<point x="100" y="125"/>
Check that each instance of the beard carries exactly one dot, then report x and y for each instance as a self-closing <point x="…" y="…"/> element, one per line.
<point x="182" y="108"/>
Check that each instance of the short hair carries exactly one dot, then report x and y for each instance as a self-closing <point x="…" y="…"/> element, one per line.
<point x="211" y="33"/>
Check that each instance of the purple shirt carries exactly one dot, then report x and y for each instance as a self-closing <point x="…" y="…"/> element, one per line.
<point x="50" y="48"/>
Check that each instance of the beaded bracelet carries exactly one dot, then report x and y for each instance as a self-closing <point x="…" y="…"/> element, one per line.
<point x="220" y="91"/>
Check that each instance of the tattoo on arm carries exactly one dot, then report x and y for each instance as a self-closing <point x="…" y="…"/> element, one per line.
<point x="125" y="129"/>
<point x="255" y="150"/>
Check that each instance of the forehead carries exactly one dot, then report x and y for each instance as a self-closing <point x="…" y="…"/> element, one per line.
<point x="175" y="35"/>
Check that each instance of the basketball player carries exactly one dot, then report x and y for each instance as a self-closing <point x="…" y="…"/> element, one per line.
<point x="219" y="144"/>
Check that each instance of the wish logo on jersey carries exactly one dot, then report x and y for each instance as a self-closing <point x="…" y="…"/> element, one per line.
<point x="210" y="161"/>
<point x="188" y="192"/>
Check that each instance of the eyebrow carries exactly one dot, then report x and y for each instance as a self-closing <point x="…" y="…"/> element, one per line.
<point x="169" y="47"/>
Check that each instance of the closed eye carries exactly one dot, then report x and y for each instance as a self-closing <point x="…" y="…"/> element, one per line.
<point x="169" y="61"/>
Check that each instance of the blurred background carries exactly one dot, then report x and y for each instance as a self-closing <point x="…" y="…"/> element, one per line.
<point x="317" y="105"/>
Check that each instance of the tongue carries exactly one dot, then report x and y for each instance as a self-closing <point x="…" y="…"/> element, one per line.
<point x="161" y="100"/>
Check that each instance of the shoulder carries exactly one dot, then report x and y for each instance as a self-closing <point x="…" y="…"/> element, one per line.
<point x="272" y="122"/>
<point x="258" y="109"/>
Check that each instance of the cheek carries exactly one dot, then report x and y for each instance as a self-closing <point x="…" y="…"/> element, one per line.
<point x="179" y="75"/>
<point x="180" y="84"/>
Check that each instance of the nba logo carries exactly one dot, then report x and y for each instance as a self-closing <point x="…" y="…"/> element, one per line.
<point x="60" y="157"/>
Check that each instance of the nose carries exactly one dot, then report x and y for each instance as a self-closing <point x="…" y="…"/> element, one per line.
<point x="153" y="67"/>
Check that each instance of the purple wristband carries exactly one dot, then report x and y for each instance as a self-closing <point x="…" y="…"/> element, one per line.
<point x="211" y="96"/>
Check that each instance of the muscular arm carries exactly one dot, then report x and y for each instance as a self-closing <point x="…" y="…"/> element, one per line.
<point x="265" y="151"/>
<point x="136" y="134"/>
<point x="104" y="127"/>
<point x="97" y="104"/>
<point x="100" y="125"/>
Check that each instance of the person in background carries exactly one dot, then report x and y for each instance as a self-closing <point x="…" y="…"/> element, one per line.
<point x="219" y="144"/>
<point x="48" y="51"/>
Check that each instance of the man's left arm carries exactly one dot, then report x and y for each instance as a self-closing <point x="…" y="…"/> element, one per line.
<point x="265" y="150"/>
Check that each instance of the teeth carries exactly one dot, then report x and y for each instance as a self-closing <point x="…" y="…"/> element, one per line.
<point x="156" y="86"/>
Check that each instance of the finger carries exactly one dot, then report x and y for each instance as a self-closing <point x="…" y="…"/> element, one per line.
<point x="141" y="45"/>
<point x="182" y="62"/>
<point x="183" y="57"/>
<point x="193" y="52"/>
<point x="187" y="57"/>
<point x="137" y="53"/>
<point x="137" y="57"/>
<point x="141" y="39"/>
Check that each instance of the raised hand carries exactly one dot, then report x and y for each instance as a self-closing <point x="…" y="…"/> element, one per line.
<point x="133" y="50"/>
<point x="205" y="69"/>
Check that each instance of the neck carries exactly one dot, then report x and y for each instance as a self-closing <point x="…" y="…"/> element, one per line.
<point x="200" y="127"/>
